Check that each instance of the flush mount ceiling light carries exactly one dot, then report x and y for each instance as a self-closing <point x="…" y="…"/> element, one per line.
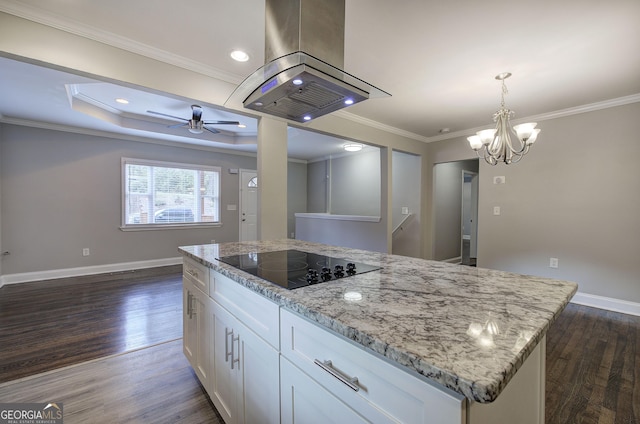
<point x="352" y="147"/>
<point x="239" y="55"/>
<point x="494" y="145"/>
<point x="122" y="101"/>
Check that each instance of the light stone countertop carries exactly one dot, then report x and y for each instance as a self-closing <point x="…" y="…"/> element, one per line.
<point x="431" y="317"/>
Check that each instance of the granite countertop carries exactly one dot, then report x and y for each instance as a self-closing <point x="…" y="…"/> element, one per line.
<point x="468" y="329"/>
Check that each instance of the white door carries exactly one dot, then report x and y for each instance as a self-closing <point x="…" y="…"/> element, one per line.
<point x="248" y="205"/>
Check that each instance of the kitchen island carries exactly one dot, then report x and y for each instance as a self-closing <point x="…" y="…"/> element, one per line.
<point x="450" y="337"/>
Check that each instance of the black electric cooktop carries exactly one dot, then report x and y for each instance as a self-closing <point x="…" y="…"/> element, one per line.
<point x="293" y="269"/>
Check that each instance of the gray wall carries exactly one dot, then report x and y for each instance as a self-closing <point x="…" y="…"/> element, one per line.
<point x="447" y="203"/>
<point x="406" y="190"/>
<point x="317" y="187"/>
<point x="61" y="192"/>
<point x="296" y="194"/>
<point x="355" y="184"/>
<point x="1" y="256"/>
<point x="574" y="197"/>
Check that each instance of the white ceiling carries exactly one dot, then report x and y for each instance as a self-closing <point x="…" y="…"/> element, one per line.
<point x="438" y="60"/>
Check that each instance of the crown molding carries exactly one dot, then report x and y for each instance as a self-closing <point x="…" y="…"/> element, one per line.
<point x="375" y="124"/>
<point x="78" y="28"/>
<point x="591" y="107"/>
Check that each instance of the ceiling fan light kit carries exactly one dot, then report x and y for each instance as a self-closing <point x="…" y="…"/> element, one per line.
<point x="196" y="125"/>
<point x="494" y="145"/>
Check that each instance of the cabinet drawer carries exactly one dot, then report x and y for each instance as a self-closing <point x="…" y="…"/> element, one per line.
<point x="256" y="312"/>
<point x="197" y="273"/>
<point x="381" y="393"/>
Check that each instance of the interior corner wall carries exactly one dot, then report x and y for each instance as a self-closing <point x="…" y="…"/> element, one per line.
<point x="61" y="192"/>
<point x="406" y="192"/>
<point x="317" y="177"/>
<point x="356" y="184"/>
<point x="296" y="194"/>
<point x="574" y="197"/>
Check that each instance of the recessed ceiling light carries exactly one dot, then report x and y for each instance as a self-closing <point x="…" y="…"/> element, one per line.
<point x="122" y="101"/>
<point x="242" y="126"/>
<point x="307" y="118"/>
<point x="239" y="56"/>
<point x="348" y="102"/>
<point x="297" y="81"/>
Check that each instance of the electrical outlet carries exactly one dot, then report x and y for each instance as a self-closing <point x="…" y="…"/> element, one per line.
<point x="501" y="179"/>
<point x="553" y="262"/>
<point x="496" y="210"/>
<point x="86" y="251"/>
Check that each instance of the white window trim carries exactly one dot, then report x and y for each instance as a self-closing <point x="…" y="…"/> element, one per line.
<point x="165" y="226"/>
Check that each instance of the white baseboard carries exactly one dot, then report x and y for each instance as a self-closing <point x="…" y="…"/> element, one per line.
<point x="456" y="260"/>
<point x="86" y="270"/>
<point x="608" y="303"/>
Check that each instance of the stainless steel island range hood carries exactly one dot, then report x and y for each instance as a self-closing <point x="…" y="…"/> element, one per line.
<point x="304" y="51"/>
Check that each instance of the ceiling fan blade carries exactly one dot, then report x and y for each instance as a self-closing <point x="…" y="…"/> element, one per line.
<point x="168" y="116"/>
<point x="221" y="122"/>
<point x="178" y="125"/>
<point x="211" y="130"/>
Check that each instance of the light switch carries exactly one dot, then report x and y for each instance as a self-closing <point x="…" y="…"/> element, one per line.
<point x="232" y="207"/>
<point x="496" y="210"/>
<point x="501" y="179"/>
<point x="405" y="210"/>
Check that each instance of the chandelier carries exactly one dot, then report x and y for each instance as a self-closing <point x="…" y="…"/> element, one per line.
<point x="495" y="145"/>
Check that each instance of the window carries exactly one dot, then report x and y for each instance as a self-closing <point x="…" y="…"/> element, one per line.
<point x="159" y="194"/>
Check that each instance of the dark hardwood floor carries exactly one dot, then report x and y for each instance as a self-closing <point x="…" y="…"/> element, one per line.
<point x="593" y="356"/>
<point x="593" y="367"/>
<point x="51" y="324"/>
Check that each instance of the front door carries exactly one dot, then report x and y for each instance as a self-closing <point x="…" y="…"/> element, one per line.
<point x="248" y="205"/>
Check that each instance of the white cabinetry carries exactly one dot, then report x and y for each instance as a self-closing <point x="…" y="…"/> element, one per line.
<point x="245" y="373"/>
<point x="306" y="401"/>
<point x="353" y="384"/>
<point x="196" y="325"/>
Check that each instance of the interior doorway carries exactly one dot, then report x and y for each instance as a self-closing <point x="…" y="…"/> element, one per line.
<point x="469" y="240"/>
<point x="449" y="223"/>
<point x="248" y="205"/>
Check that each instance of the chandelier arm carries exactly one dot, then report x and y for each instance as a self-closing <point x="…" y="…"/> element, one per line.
<point x="524" y="147"/>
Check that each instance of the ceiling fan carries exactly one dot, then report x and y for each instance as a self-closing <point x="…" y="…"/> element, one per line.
<point x="196" y="125"/>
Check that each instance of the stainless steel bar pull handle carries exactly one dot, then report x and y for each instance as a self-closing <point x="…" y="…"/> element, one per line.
<point x="233" y="351"/>
<point x="228" y="353"/>
<point x="351" y="382"/>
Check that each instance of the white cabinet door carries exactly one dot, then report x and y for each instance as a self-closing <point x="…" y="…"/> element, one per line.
<point x="223" y="383"/>
<point x="195" y="325"/>
<point x="244" y="385"/>
<point x="305" y="401"/>
<point x="259" y="378"/>
<point x="189" y="328"/>
<point x="200" y="314"/>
